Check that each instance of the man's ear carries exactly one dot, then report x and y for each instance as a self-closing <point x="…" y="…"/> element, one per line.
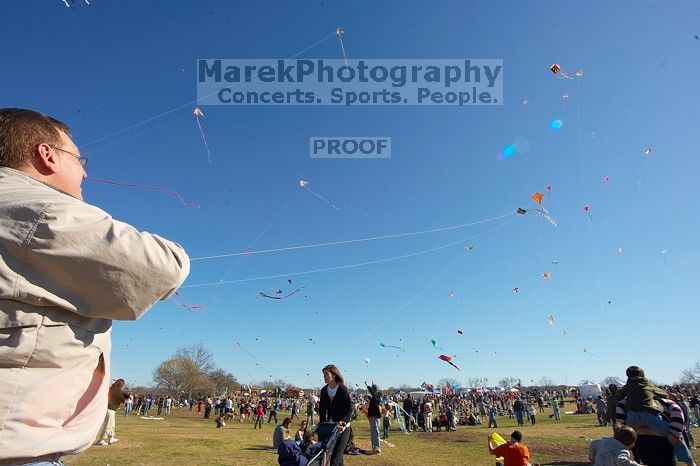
<point x="45" y="159"/>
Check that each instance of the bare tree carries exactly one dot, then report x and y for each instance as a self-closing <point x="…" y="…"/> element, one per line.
<point x="545" y="382"/>
<point x="199" y="355"/>
<point x="449" y="382"/>
<point x="691" y="375"/>
<point x="508" y="382"/>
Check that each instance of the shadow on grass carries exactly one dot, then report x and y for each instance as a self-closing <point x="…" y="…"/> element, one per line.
<point x="565" y="463"/>
<point x="261" y="448"/>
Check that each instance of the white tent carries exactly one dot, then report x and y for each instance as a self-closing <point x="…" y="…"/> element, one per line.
<point x="589" y="389"/>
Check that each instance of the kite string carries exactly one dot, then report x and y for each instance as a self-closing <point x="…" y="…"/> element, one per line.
<point x="350" y="241"/>
<point x="585" y="195"/>
<point x="420" y="292"/>
<point x="174" y="327"/>
<point x="515" y="321"/>
<point x="404" y="306"/>
<point x="222" y="281"/>
<point x="188" y="104"/>
<point x="150" y="130"/>
<point x="350" y="266"/>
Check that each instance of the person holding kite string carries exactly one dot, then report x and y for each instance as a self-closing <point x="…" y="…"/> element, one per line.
<point x="67" y="269"/>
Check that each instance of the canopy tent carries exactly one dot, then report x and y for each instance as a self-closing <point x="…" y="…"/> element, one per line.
<point x="589" y="389"/>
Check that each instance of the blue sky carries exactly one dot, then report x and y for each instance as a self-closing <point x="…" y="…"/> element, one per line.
<point x="123" y="63"/>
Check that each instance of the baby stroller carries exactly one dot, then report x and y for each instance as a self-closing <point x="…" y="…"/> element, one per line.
<point x="327" y="435"/>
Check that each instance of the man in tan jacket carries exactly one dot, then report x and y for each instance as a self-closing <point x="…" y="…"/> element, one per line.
<point x="66" y="270"/>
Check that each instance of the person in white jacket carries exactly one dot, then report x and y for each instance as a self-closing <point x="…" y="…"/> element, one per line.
<point x="614" y="451"/>
<point x="67" y="269"/>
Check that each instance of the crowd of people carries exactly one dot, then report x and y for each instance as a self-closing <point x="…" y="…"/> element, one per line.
<point x="679" y="409"/>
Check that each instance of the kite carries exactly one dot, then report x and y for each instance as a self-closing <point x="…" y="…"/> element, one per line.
<point x="565" y="95"/>
<point x="461" y="332"/>
<point x="619" y="250"/>
<point x="664" y="251"/>
<point x="563" y="332"/>
<point x="537" y="197"/>
<point x="606" y="180"/>
<point x="391" y="346"/>
<point x="87" y="2"/>
<point x="585" y="350"/>
<point x="555" y="262"/>
<point x="245" y="350"/>
<point x="559" y="73"/>
<point x="198" y="113"/>
<point x="647" y="151"/>
<point x="281" y="296"/>
<point x="339" y="32"/>
<point x="546" y="275"/>
<point x="470" y="247"/>
<point x="305" y="185"/>
<point x="586" y="209"/>
<point x="540" y="213"/>
<point x="549" y="188"/>
<point x="436" y="346"/>
<point x="189" y="307"/>
<point x="516" y="289"/>
<point x="450" y="294"/>
<point x="526" y="101"/>
<point x="145" y="186"/>
<point x="551" y="320"/>
<point x="366" y="360"/>
<point x="448" y="360"/>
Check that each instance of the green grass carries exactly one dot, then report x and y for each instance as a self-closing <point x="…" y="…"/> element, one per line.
<point x="185" y="438"/>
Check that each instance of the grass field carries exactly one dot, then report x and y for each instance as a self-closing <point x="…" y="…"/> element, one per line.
<point x="185" y="438"/>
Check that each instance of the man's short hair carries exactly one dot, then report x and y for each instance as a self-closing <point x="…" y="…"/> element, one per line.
<point x="21" y="131"/>
<point x="516" y="435"/>
<point x="626" y="435"/>
<point x="634" y="371"/>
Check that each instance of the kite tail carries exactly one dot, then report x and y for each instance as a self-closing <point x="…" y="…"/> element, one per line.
<point x="145" y="186"/>
<point x="201" y="131"/>
<point x="322" y="198"/>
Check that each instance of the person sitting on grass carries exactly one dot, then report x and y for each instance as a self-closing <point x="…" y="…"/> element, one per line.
<point x="513" y="452"/>
<point x="614" y="451"/>
<point x="281" y="433"/>
<point x="299" y="437"/>
<point x="220" y="422"/>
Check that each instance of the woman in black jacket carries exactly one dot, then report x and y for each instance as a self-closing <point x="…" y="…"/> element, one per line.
<point x="335" y="406"/>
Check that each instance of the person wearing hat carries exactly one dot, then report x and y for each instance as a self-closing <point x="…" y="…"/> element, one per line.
<point x="513" y="452"/>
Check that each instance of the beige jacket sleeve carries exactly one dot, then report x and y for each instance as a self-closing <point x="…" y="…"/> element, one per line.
<point x="83" y="260"/>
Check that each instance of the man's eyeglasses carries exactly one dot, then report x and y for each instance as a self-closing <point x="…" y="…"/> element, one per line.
<point x="83" y="160"/>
